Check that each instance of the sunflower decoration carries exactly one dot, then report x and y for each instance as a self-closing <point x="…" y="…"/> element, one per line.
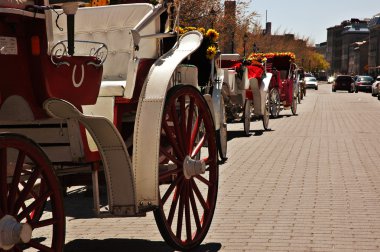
<point x="210" y="39"/>
<point x="213" y="35"/>
<point x="211" y="52"/>
<point x="98" y="3"/>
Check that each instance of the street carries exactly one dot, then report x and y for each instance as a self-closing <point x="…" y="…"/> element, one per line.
<point x="312" y="183"/>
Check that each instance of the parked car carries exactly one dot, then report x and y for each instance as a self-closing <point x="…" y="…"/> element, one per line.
<point x="344" y="82"/>
<point x="309" y="75"/>
<point x="331" y="79"/>
<point x="311" y="82"/>
<point x="363" y="83"/>
<point x="376" y="86"/>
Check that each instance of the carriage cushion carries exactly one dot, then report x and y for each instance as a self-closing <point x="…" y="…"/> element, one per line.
<point x="187" y="74"/>
<point x="112" y="88"/>
<point x="111" y="25"/>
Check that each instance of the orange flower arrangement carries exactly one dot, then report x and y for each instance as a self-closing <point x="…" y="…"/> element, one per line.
<point x="261" y="56"/>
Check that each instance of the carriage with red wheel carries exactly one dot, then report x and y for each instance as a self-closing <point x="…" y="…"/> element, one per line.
<point x="94" y="96"/>
<point x="245" y="89"/>
<point x="284" y="85"/>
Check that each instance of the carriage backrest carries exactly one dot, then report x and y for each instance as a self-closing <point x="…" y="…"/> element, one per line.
<point x="112" y="26"/>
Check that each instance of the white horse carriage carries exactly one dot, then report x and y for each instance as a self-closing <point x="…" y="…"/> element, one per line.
<point x="109" y="102"/>
<point x="245" y="88"/>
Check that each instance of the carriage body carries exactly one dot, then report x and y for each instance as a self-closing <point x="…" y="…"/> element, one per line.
<point x="122" y="107"/>
<point x="245" y="88"/>
<point x="283" y="88"/>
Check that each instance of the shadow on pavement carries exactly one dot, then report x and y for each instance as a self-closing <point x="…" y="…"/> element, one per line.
<point x="238" y="134"/>
<point x="131" y="245"/>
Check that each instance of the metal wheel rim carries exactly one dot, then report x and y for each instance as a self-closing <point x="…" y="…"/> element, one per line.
<point x="266" y="114"/>
<point x="247" y="116"/>
<point x="223" y="130"/>
<point x="186" y="205"/>
<point x="274" y="103"/>
<point x="294" y="106"/>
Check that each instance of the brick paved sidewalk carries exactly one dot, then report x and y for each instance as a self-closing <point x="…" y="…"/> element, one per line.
<point x="311" y="184"/>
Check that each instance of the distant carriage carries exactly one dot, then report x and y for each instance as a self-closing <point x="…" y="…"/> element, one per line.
<point x="245" y="87"/>
<point x="284" y="84"/>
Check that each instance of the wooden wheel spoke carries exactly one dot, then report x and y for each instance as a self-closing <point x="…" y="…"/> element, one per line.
<point x="28" y="219"/>
<point x="170" y="156"/>
<point x="194" y="134"/>
<point x="195" y="210"/>
<point x="177" y="128"/>
<point x="187" y="214"/>
<point x="172" y="141"/>
<point x="182" y="105"/>
<point x="34" y="195"/>
<point x="198" y="147"/>
<point x="3" y="181"/>
<point x="43" y="223"/>
<point x="173" y="207"/>
<point x="190" y="124"/>
<point x="16" y="180"/>
<point x="40" y="246"/>
<point x="180" y="216"/>
<point x="17" y="249"/>
<point x="24" y="193"/>
<point x="35" y="205"/>
<point x="166" y="174"/>
<point x="204" y="180"/>
<point x="199" y="195"/>
<point x="208" y="161"/>
<point x="170" y="189"/>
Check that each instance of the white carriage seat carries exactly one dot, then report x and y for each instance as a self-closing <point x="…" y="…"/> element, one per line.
<point x="187" y="75"/>
<point x="112" y="26"/>
<point x="230" y="74"/>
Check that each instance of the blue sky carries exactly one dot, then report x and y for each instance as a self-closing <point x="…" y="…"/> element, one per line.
<point x="311" y="18"/>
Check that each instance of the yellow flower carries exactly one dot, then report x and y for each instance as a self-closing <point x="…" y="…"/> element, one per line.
<point x="211" y="52"/>
<point x="202" y="30"/>
<point x="212" y="35"/>
<point x="180" y="30"/>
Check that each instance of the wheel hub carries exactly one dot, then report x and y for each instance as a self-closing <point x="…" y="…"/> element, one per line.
<point x="13" y="232"/>
<point x="192" y="167"/>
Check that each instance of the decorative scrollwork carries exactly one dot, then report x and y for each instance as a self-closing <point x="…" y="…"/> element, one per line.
<point x="97" y="50"/>
<point x="57" y="52"/>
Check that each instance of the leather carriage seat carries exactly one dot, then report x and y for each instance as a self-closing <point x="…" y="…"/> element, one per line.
<point x="110" y="25"/>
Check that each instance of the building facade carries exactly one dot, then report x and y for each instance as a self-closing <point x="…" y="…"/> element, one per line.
<point x="339" y="40"/>
<point x="358" y="58"/>
<point x="374" y="45"/>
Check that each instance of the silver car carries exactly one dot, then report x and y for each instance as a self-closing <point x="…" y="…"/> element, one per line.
<point x="376" y="86"/>
<point x="311" y="82"/>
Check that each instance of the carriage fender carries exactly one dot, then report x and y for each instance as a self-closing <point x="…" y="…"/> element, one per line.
<point x="216" y="96"/>
<point x="260" y="93"/>
<point x="147" y="127"/>
<point x="115" y="158"/>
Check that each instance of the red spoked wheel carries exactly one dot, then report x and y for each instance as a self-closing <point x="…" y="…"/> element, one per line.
<point x="30" y="198"/>
<point x="188" y="169"/>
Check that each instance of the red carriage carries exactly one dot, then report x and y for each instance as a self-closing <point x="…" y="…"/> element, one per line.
<point x="122" y="108"/>
<point x="283" y="86"/>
